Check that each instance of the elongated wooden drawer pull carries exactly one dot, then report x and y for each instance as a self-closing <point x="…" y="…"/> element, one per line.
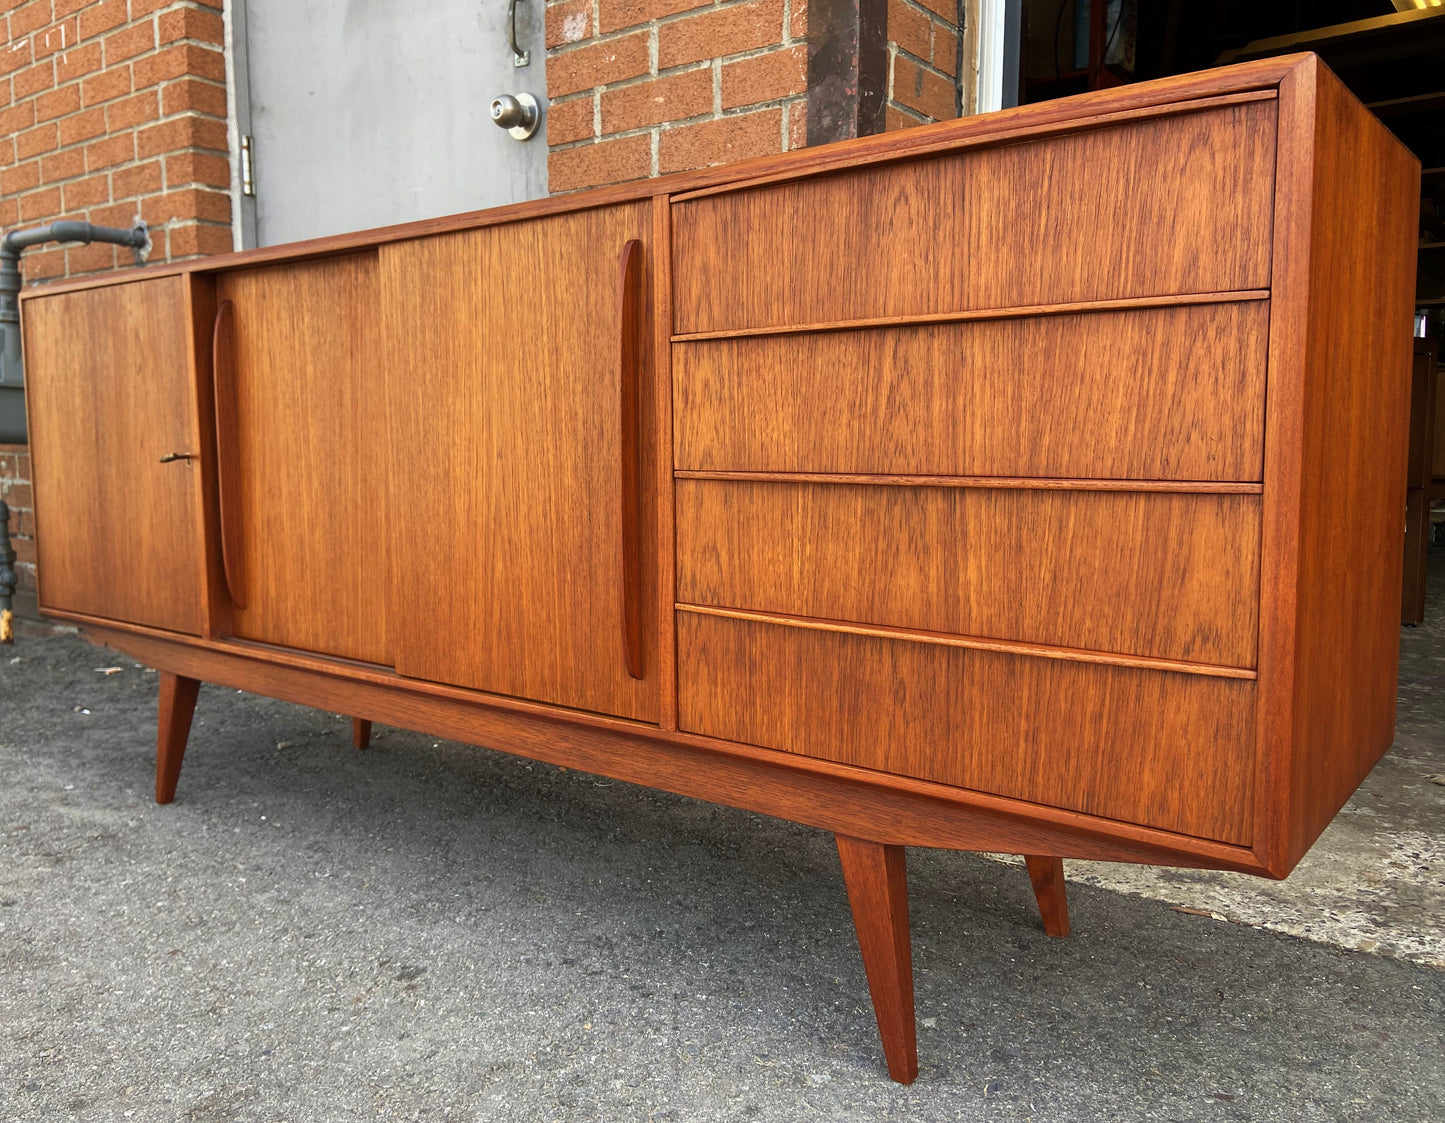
<point x="228" y="453"/>
<point x="629" y="353"/>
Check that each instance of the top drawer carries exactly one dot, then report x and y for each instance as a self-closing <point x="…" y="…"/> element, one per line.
<point x="1166" y="205"/>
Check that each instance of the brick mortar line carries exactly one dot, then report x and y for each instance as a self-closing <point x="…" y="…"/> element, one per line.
<point x="891" y="98"/>
<point x="898" y="49"/>
<point x="660" y="127"/>
<point x="909" y="111"/>
<point x="653" y="25"/>
<point x="681" y="68"/>
<point x="167" y="119"/>
<point x="159" y="84"/>
<point x="671" y="72"/>
<point x="639" y="79"/>
<point x="98" y="39"/>
<point x="929" y="12"/>
<point x="117" y="200"/>
<point x="190" y="149"/>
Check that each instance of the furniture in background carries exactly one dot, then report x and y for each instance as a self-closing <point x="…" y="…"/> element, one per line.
<point x="931" y="489"/>
<point x="1424" y="403"/>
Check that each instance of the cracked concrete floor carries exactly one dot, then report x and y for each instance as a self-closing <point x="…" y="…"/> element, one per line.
<point x="431" y="931"/>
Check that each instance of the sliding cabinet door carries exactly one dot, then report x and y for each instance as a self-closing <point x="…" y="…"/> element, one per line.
<point x="520" y="381"/>
<point x="301" y="432"/>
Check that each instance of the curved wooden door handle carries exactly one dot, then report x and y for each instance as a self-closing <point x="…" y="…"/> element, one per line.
<point x="629" y="354"/>
<point x="228" y="452"/>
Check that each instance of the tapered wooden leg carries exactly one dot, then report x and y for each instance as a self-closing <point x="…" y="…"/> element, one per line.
<point x="360" y="732"/>
<point x="178" y="703"/>
<point x="877" y="881"/>
<point x="1047" y="874"/>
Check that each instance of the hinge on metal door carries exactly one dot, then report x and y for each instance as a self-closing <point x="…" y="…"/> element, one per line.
<point x="248" y="170"/>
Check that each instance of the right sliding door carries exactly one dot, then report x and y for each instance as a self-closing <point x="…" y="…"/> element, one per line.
<point x="521" y="385"/>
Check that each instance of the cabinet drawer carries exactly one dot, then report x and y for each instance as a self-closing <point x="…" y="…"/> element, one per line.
<point x="1164" y="393"/>
<point x="1172" y="204"/>
<point x="1168" y="750"/>
<point x="1164" y="575"/>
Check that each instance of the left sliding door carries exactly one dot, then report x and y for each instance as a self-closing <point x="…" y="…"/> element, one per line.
<point x="301" y="435"/>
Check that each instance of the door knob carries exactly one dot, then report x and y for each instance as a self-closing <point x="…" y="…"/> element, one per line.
<point x="519" y="114"/>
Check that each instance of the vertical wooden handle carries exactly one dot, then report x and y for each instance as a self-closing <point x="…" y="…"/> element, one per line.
<point x="629" y="354"/>
<point x="228" y="453"/>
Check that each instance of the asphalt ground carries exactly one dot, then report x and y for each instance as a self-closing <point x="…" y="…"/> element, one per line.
<point x="434" y="931"/>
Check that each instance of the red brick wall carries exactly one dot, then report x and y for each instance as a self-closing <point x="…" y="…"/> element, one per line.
<point x="111" y="109"/>
<point x="646" y="87"/>
<point x="923" y="62"/>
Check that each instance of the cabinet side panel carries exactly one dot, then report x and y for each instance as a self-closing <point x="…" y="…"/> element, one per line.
<point x="109" y="393"/>
<point x="1353" y="457"/>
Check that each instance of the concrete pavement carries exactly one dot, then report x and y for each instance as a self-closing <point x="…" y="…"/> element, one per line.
<point x="437" y="932"/>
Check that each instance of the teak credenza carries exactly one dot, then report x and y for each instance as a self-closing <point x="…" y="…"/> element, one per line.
<point x="1032" y="482"/>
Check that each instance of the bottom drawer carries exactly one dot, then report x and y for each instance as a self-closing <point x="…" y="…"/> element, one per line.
<point x="1160" y="748"/>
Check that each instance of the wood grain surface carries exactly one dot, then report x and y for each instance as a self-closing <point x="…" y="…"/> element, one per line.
<point x="229" y="467"/>
<point x="877" y="879"/>
<point x="836" y="797"/>
<point x="175" y="708"/>
<point x="1169" y="576"/>
<point x="504" y="410"/>
<point x="1019" y="483"/>
<point x="1160" y="393"/>
<point x="1167" y="750"/>
<point x="1046" y="873"/>
<point x="662" y="466"/>
<point x="109" y="392"/>
<point x="360" y="733"/>
<point x="1340" y="394"/>
<point x="310" y="433"/>
<point x="201" y="314"/>
<point x="1185" y="207"/>
<point x="630" y="361"/>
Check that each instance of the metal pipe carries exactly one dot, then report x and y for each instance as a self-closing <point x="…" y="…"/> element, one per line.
<point x="12" y="370"/>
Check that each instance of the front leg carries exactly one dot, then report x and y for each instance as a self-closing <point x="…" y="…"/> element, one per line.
<point x="877" y="881"/>
<point x="177" y="704"/>
<point x="1047" y="874"/>
<point x="360" y="732"/>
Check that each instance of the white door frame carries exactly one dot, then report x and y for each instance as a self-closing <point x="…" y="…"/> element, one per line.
<point x="238" y="123"/>
<point x="1000" y="28"/>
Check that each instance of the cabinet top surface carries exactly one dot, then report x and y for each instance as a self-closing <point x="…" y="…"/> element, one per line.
<point x="1087" y="110"/>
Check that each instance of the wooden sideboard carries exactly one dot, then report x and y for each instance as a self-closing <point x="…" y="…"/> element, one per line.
<point x="1032" y="482"/>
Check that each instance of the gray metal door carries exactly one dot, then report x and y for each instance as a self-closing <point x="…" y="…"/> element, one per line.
<point x="365" y="113"/>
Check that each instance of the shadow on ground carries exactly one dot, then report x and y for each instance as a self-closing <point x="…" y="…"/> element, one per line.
<point x="431" y="931"/>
